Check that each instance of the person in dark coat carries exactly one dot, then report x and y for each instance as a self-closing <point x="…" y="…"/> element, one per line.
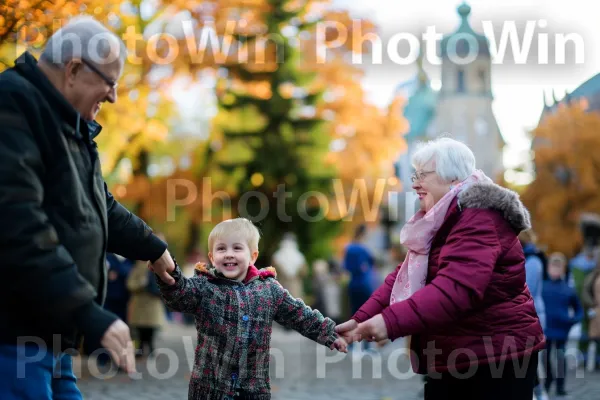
<point x="461" y="293"/>
<point x="563" y="311"/>
<point x="58" y="217"/>
<point x="117" y="294"/>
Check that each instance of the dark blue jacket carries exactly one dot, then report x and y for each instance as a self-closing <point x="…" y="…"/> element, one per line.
<point x="563" y="309"/>
<point x="117" y="289"/>
<point x="359" y="262"/>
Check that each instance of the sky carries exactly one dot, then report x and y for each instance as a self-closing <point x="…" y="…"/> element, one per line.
<point x="518" y="90"/>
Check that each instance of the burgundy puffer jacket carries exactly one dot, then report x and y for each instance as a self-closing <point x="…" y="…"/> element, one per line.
<point x="475" y="308"/>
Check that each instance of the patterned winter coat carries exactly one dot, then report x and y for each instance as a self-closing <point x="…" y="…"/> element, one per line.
<point x="234" y="323"/>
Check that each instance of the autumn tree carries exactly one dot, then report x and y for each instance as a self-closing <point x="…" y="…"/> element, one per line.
<point x="567" y="181"/>
<point x="29" y="23"/>
<point x="281" y="108"/>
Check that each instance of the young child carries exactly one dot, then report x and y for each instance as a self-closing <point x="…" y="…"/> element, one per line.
<point x="235" y="304"/>
<point x="563" y="310"/>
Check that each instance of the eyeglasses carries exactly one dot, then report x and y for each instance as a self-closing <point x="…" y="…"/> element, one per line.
<point x="111" y="83"/>
<point x="420" y="175"/>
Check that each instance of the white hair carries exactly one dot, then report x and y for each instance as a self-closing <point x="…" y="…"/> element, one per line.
<point x="83" y="37"/>
<point x="453" y="159"/>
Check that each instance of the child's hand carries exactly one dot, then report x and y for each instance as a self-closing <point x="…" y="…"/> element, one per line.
<point x="340" y="345"/>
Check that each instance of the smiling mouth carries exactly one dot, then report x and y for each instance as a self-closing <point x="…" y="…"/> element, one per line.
<point x="230" y="265"/>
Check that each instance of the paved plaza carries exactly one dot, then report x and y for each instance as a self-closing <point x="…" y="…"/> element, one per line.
<point x="300" y="370"/>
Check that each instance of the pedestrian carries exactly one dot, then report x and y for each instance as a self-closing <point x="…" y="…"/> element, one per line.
<point x="327" y="290"/>
<point x="461" y="293"/>
<point x="360" y="264"/>
<point x="147" y="311"/>
<point x="590" y="299"/>
<point x="58" y="217"/>
<point x="580" y="267"/>
<point x="291" y="265"/>
<point x="563" y="310"/>
<point x="117" y="294"/>
<point x="535" y="272"/>
<point x="235" y="305"/>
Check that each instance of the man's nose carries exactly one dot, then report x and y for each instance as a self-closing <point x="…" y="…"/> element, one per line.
<point x="112" y="95"/>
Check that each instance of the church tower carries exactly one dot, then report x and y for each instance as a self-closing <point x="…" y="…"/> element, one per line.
<point x="464" y="104"/>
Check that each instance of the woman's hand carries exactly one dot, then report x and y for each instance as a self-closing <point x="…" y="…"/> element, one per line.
<point x="372" y="330"/>
<point x="347" y="331"/>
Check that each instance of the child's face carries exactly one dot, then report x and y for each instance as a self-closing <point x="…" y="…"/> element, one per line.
<point x="231" y="256"/>
<point x="556" y="269"/>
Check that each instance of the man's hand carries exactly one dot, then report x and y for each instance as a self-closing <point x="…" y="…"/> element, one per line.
<point x="163" y="267"/>
<point x="117" y="341"/>
<point x="373" y="330"/>
<point x="348" y="332"/>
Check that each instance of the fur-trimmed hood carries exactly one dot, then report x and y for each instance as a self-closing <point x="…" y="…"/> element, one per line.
<point x="253" y="272"/>
<point x="492" y="196"/>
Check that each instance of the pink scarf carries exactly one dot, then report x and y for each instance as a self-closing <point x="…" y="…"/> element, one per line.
<point x="417" y="235"/>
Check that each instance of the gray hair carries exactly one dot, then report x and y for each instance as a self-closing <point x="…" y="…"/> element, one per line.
<point x="83" y="37"/>
<point x="453" y="159"/>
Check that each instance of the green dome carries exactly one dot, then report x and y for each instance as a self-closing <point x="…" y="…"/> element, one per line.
<point x="464" y="31"/>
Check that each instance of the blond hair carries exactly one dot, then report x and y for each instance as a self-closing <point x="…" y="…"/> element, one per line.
<point x="241" y="226"/>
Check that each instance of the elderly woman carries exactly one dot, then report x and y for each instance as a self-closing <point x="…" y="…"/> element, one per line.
<point x="461" y="292"/>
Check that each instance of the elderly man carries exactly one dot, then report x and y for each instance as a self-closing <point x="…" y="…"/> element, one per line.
<point x="58" y="217"/>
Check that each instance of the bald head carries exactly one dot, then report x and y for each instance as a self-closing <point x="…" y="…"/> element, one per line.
<point x="84" y="38"/>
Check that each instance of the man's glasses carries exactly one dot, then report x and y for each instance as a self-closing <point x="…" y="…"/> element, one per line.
<point x="420" y="175"/>
<point x="111" y="83"/>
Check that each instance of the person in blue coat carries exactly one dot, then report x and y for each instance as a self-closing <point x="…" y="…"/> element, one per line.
<point x="360" y="263"/>
<point x="563" y="310"/>
<point x="535" y="271"/>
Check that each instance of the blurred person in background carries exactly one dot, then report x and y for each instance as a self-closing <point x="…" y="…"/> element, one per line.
<point x="590" y="299"/>
<point x="360" y="264"/>
<point x="327" y="290"/>
<point x="147" y="311"/>
<point x="563" y="310"/>
<point x="117" y="294"/>
<point x="290" y="264"/>
<point x="535" y="271"/>
<point x="580" y="267"/>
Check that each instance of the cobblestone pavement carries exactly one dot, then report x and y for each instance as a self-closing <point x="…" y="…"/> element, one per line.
<point x="300" y="370"/>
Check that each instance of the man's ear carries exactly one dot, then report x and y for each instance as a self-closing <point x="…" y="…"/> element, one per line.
<point x="254" y="256"/>
<point x="72" y="68"/>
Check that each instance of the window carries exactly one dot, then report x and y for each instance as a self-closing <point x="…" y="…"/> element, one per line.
<point x="482" y="80"/>
<point x="460" y="83"/>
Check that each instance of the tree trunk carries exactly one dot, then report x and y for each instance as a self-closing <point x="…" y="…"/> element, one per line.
<point x="141" y="169"/>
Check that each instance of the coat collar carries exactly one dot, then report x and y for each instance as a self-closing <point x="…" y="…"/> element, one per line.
<point x="493" y="196"/>
<point x="26" y="65"/>
<point x="252" y="275"/>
